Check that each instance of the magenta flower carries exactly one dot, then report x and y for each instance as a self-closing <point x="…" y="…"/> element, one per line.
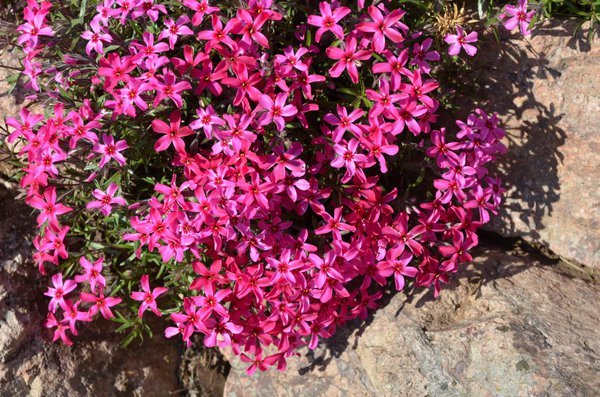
<point x="54" y="242"/>
<point x="397" y="264"/>
<point x="61" y="329"/>
<point x="250" y="27"/>
<point x="460" y="40"/>
<point x="147" y="297"/>
<point x="147" y="7"/>
<point x="93" y="273"/>
<point x="101" y="303"/>
<point x="210" y="303"/>
<point x="71" y="315"/>
<point x="218" y="34"/>
<point x="519" y="16"/>
<point x="96" y="38"/>
<point x="394" y="66"/>
<point x="221" y="332"/>
<point x="291" y="59"/>
<point x="334" y="225"/>
<point x="258" y="362"/>
<point x="384" y="101"/>
<point x="31" y="30"/>
<point x="173" y="133"/>
<point x="170" y="88"/>
<point x="149" y="48"/>
<point x="110" y="150"/>
<point x="59" y="292"/>
<point x="23" y="126"/>
<point x="328" y="20"/>
<point x="348" y="58"/>
<point x="286" y="159"/>
<point x="49" y="207"/>
<point x="105" y="201"/>
<point x="347" y="157"/>
<point x="421" y="55"/>
<point x="382" y="27"/>
<point x="284" y="268"/>
<point x="458" y="251"/>
<point x="344" y="122"/>
<point x="175" y="29"/>
<point x="244" y="84"/>
<point x="201" y="8"/>
<point x="207" y="118"/>
<point x="276" y="110"/>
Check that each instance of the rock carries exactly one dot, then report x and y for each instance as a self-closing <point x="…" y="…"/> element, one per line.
<point x="506" y="326"/>
<point x="13" y="333"/>
<point x="547" y="91"/>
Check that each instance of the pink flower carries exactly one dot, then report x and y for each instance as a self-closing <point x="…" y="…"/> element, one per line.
<point x="417" y="89"/>
<point x="219" y="34"/>
<point x="421" y="55"/>
<point x="59" y="292"/>
<point x="344" y="122"/>
<point x="519" y="17"/>
<point x="147" y="297"/>
<point x="328" y="20"/>
<point x="101" y="303"/>
<point x="31" y="30"/>
<point x="286" y="159"/>
<point x="276" y="110"/>
<point x="206" y="119"/>
<point x="173" y="133"/>
<point x="93" y="273"/>
<point x="334" y="224"/>
<point x="61" y="329"/>
<point x="175" y="29"/>
<point x="382" y="27"/>
<point x="71" y="315"/>
<point x="347" y="157"/>
<point x="384" y="101"/>
<point x="348" y="58"/>
<point x="250" y="27"/>
<point x="23" y="126"/>
<point x="397" y="264"/>
<point x="149" y="48"/>
<point x="460" y="40"/>
<point x="96" y="38"/>
<point x="244" y="84"/>
<point x="201" y="7"/>
<point x="50" y="209"/>
<point x="258" y="362"/>
<point x="170" y="88"/>
<point x="110" y="150"/>
<point x="291" y="59"/>
<point x="115" y="69"/>
<point x="210" y="303"/>
<point x="105" y="200"/>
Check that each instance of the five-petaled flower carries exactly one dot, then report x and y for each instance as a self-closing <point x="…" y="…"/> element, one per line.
<point x="147" y="296"/>
<point x="461" y="40"/>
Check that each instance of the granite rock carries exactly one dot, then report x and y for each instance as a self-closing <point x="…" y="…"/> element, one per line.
<point x="546" y="89"/>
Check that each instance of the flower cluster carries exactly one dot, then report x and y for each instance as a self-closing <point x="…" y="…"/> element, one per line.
<point x="273" y="186"/>
<point x="511" y="17"/>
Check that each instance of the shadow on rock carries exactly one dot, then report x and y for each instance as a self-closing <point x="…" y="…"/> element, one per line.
<point x="501" y="80"/>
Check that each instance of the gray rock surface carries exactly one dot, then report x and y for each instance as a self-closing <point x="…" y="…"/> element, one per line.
<point x="547" y="91"/>
<point x="507" y="326"/>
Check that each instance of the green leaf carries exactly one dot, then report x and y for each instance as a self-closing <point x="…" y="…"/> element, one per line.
<point x="308" y="37"/>
<point x="348" y="91"/>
